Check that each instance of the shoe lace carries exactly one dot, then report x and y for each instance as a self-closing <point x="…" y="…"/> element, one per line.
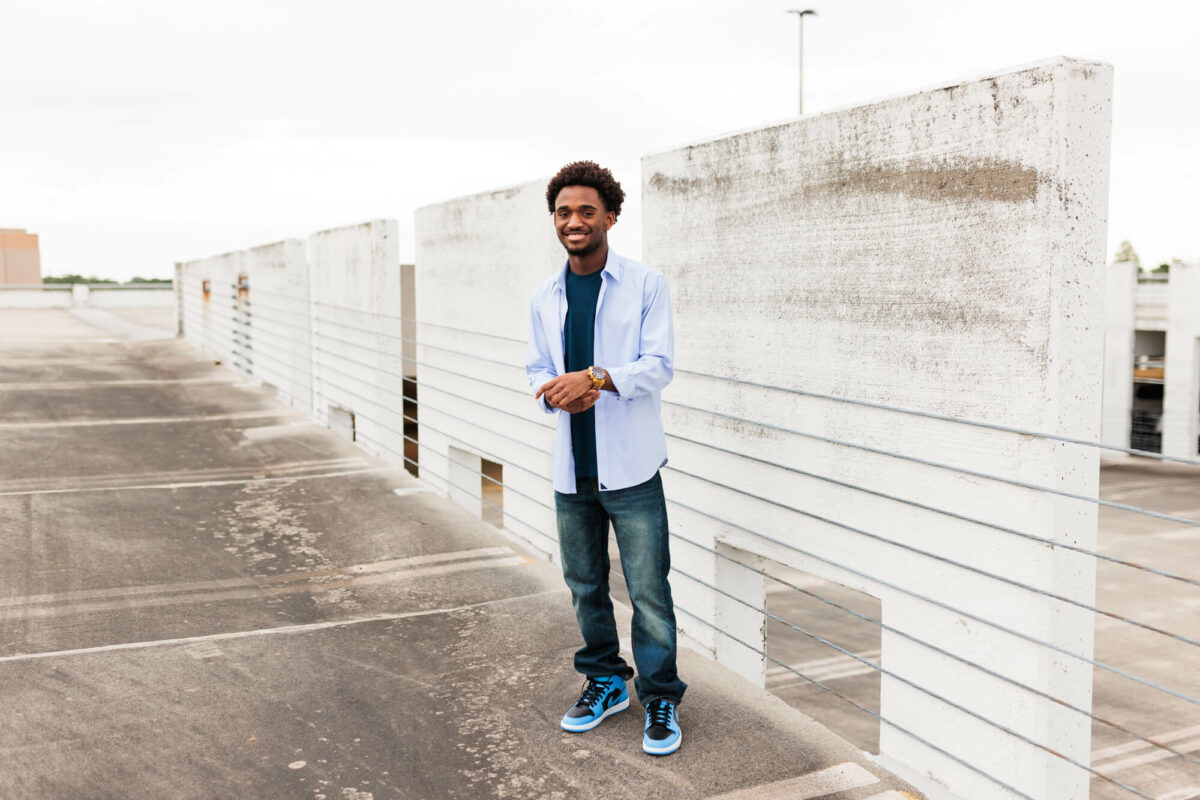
<point x="660" y="713"/>
<point x="593" y="690"/>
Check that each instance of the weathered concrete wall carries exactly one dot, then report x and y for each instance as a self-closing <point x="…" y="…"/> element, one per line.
<point x="478" y="261"/>
<point x="1120" y="289"/>
<point x="280" y="330"/>
<point x="208" y="318"/>
<point x="941" y="252"/>
<point x="1181" y="398"/>
<point x="35" y="297"/>
<point x="66" y="295"/>
<point x="357" y="332"/>
<point x="131" y="297"/>
<point x="322" y="320"/>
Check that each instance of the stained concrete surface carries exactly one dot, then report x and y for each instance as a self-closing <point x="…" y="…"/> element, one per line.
<point x="239" y="605"/>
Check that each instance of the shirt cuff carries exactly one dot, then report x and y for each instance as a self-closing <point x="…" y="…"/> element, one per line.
<point x="622" y="381"/>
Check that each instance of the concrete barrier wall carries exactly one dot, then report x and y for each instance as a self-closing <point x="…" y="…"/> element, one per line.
<point x="208" y="318"/>
<point x="130" y="297"/>
<point x="35" y="297"/>
<point x="941" y="252"/>
<point x="65" y="296"/>
<point x="1120" y="289"/>
<point x="478" y="260"/>
<point x="1181" y="398"/>
<point x="276" y="305"/>
<point x="357" y="334"/>
<point x="318" y="319"/>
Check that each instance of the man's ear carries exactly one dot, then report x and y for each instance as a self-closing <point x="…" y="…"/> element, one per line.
<point x="610" y="219"/>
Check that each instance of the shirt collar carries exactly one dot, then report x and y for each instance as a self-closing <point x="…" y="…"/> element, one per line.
<point x="612" y="266"/>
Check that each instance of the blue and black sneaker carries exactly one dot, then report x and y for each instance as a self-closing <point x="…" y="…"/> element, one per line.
<point x="662" y="735"/>
<point x="601" y="698"/>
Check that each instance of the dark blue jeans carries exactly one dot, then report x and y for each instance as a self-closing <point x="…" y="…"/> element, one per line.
<point x="639" y="519"/>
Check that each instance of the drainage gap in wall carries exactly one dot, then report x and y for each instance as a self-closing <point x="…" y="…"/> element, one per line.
<point x="820" y="662"/>
<point x="411" y="450"/>
<point x="341" y="422"/>
<point x="492" y="491"/>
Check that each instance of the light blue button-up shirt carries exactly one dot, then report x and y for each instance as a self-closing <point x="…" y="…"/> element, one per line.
<point x="635" y="342"/>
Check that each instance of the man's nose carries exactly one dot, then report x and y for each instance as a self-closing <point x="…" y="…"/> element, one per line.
<point x="574" y="220"/>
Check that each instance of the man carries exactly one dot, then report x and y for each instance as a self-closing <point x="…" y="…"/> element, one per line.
<point x="600" y="350"/>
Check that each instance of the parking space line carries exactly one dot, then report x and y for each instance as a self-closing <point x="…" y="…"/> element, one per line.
<point x="1130" y="747"/>
<point x="201" y="484"/>
<point x="213" y="473"/>
<point x="282" y="630"/>
<point x="813" y="784"/>
<point x="19" y="387"/>
<point x="251" y="591"/>
<point x="87" y="423"/>
<point x="371" y="567"/>
<point x="1120" y="765"/>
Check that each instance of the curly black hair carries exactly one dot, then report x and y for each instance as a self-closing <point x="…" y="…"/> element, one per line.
<point x="587" y="173"/>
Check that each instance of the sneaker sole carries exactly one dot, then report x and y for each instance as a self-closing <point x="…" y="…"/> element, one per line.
<point x="662" y="751"/>
<point x="587" y="726"/>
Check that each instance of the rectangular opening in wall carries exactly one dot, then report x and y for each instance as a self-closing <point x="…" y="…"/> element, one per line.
<point x="411" y="433"/>
<point x="341" y="422"/>
<point x="820" y="662"/>
<point x="1149" y="380"/>
<point x="491" y="478"/>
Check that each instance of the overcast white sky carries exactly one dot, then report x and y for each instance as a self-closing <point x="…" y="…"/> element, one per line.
<point x="136" y="134"/>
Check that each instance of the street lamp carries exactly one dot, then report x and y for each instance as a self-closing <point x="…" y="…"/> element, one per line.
<point x="801" y="15"/>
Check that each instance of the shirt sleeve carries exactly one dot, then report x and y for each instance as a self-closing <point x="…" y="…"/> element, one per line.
<point x="539" y="364"/>
<point x="654" y="368"/>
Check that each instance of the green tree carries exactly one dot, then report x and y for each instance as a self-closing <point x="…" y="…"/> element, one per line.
<point x="1127" y="255"/>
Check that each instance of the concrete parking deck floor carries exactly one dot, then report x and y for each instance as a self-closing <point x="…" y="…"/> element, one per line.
<point x="203" y="594"/>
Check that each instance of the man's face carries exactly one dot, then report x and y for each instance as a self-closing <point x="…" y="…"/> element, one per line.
<point x="580" y="219"/>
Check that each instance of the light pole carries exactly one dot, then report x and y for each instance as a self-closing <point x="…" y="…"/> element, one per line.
<point x="800" y="15"/>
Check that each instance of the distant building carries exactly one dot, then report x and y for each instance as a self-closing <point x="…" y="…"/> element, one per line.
<point x="1152" y="360"/>
<point x="20" y="261"/>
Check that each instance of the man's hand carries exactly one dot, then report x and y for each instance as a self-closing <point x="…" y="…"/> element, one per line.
<point x="583" y="403"/>
<point x="566" y="389"/>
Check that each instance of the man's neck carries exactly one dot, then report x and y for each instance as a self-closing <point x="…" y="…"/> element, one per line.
<point x="592" y="262"/>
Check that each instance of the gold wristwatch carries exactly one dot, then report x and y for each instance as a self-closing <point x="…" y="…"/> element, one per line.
<point x="598" y="376"/>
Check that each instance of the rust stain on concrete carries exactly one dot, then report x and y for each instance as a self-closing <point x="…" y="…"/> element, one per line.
<point x="985" y="179"/>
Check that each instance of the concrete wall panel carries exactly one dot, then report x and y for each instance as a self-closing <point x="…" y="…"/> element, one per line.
<point x="280" y="330"/>
<point x="941" y="253"/>
<point x="1181" y="400"/>
<point x="478" y="261"/>
<point x="358" y="346"/>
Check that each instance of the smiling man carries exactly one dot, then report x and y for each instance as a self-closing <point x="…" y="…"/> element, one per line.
<point x="600" y="352"/>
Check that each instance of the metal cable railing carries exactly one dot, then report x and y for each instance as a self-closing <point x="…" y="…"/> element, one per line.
<point x="357" y="377"/>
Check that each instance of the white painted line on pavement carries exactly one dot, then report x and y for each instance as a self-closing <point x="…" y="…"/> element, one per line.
<point x="86" y="423"/>
<point x="892" y="794"/>
<point x="822" y="669"/>
<point x="1120" y="765"/>
<point x="388" y="565"/>
<point x="259" y="592"/>
<point x="1190" y="793"/>
<point x="814" y="784"/>
<point x="1131" y="747"/>
<point x="313" y="626"/>
<point x="76" y="482"/>
<point x="817" y="663"/>
<point x="196" y="484"/>
<point x="19" y="387"/>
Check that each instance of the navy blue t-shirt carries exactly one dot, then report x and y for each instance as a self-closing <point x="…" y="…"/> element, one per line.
<point x="579" y="334"/>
